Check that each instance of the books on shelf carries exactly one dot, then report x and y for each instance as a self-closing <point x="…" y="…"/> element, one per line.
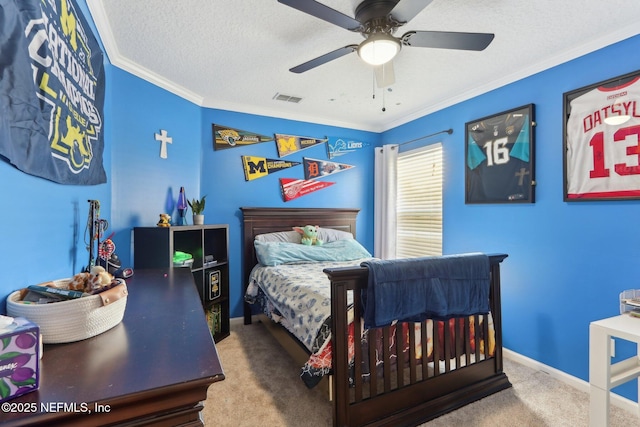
<point x="214" y="318"/>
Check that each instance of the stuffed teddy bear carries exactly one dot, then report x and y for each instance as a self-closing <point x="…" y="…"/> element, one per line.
<point x="99" y="279"/>
<point x="165" y="220"/>
<point x="92" y="281"/>
<point x="309" y="235"/>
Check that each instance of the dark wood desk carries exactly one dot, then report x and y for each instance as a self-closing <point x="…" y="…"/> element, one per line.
<point x="154" y="368"/>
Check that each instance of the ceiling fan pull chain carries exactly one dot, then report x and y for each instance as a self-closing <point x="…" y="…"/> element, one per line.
<point x="383" y="100"/>
<point x="373" y="83"/>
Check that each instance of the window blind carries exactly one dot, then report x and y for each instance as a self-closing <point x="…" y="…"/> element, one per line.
<point x="419" y="202"/>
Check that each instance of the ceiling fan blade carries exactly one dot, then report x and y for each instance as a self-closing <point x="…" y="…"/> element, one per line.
<point x="447" y="40"/>
<point x="324" y="59"/>
<point x="405" y="11"/>
<point x="385" y="75"/>
<point x="323" y="12"/>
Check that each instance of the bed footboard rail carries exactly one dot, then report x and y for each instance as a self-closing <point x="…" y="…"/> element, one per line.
<point x="409" y="373"/>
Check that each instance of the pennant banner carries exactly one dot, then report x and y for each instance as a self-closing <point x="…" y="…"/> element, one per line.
<point x="294" y="188"/>
<point x="341" y="146"/>
<point x="51" y="92"/>
<point x="289" y="144"/>
<point x="226" y="137"/>
<point x="314" y="168"/>
<point x="257" y="167"/>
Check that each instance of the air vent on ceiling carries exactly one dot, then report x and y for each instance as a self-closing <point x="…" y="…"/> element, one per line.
<point x="287" y="98"/>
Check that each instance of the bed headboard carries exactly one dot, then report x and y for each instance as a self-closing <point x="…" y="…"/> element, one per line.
<point x="268" y="220"/>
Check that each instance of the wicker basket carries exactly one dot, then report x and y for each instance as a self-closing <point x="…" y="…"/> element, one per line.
<point x="75" y="319"/>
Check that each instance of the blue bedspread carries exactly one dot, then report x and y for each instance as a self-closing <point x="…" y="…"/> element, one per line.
<point x="415" y="289"/>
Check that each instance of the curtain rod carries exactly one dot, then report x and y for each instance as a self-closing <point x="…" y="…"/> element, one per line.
<point x="449" y="131"/>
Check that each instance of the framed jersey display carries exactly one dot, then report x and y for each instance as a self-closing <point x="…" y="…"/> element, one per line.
<point x="602" y="140"/>
<point x="499" y="166"/>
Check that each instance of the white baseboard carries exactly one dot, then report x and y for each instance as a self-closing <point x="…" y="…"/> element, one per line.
<point x="236" y="321"/>
<point x="619" y="401"/>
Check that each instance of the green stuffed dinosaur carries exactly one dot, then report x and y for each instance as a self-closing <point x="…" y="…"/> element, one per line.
<point x="309" y="235"/>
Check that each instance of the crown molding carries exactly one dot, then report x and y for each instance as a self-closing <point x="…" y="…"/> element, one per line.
<point x="99" y="15"/>
<point x="569" y="55"/>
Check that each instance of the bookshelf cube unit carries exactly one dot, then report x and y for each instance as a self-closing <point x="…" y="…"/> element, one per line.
<point x="154" y="247"/>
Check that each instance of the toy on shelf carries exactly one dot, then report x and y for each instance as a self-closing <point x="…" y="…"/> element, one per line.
<point x="165" y="220"/>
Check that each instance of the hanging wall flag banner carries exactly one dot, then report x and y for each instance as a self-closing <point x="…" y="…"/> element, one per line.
<point x="226" y="137"/>
<point x="51" y="92"/>
<point x="289" y="144"/>
<point x="314" y="168"/>
<point x="341" y="146"/>
<point x="294" y="188"/>
<point x="257" y="167"/>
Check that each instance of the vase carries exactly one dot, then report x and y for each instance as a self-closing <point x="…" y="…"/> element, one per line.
<point x="198" y="219"/>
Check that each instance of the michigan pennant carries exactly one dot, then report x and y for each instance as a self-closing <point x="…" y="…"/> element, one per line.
<point x="341" y="146"/>
<point x="289" y="144"/>
<point x="226" y="137"/>
<point x="257" y="167"/>
<point x="314" y="168"/>
<point x="294" y="188"/>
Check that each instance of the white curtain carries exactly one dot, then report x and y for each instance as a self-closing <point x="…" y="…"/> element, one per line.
<point x="386" y="159"/>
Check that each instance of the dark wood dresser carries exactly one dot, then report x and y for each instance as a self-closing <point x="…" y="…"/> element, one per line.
<point x="154" y="368"/>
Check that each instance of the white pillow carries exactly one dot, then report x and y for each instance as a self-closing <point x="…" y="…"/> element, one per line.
<point x="325" y="234"/>
<point x="280" y="236"/>
<point x="331" y="235"/>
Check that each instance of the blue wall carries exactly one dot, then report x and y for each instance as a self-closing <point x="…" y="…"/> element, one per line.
<point x="567" y="261"/>
<point x="226" y="189"/>
<point x="143" y="184"/>
<point x="42" y="228"/>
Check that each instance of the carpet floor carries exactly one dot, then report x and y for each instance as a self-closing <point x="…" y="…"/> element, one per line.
<point x="262" y="388"/>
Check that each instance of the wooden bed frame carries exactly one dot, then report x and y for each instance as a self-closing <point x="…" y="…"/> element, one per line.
<point x="410" y="396"/>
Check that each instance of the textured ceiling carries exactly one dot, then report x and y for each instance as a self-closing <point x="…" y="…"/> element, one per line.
<point x="235" y="54"/>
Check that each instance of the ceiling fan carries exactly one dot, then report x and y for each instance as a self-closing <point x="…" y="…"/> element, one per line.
<point x="377" y="20"/>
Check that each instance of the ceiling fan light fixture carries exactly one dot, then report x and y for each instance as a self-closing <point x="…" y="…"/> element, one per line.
<point x="379" y="48"/>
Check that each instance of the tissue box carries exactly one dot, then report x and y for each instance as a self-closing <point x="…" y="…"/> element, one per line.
<point x="19" y="358"/>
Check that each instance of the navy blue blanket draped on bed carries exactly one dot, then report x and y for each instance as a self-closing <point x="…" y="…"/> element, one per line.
<point x="415" y="289"/>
